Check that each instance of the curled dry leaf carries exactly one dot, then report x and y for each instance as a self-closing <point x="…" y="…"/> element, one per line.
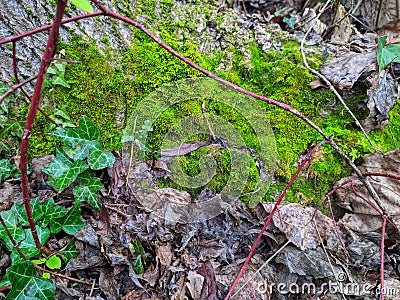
<point x="382" y="96"/>
<point x="364" y="218"/>
<point x="296" y="222"/>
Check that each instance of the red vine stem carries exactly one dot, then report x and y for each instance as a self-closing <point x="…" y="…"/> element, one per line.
<point x="282" y="196"/>
<point x="47" y="27"/>
<point x="382" y="293"/>
<point x="47" y="56"/>
<point x="14" y="55"/>
<point x="15" y="244"/>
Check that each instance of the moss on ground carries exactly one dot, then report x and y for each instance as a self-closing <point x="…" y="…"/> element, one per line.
<point x="103" y="86"/>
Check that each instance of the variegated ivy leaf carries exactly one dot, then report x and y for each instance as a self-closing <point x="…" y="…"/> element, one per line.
<point x="86" y="131"/>
<point x="26" y="284"/>
<point x="71" y="223"/>
<point x="89" y="192"/>
<point x="99" y="160"/>
<point x="70" y="175"/>
<point x="59" y="165"/>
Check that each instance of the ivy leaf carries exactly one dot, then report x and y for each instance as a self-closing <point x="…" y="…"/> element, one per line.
<point x="87" y="130"/>
<point x="11" y="222"/>
<point x="69" y="177"/>
<point x="147" y="125"/>
<point x="60" y="81"/>
<point x="99" y="160"/>
<point x="83" y="4"/>
<point x="7" y="169"/>
<point x="59" y="165"/>
<point x="89" y="192"/>
<point x="69" y="251"/>
<point x="54" y="262"/>
<point x="388" y="54"/>
<point x="28" y="246"/>
<point x="20" y="213"/>
<point x="71" y="223"/>
<point x="51" y="211"/>
<point x="26" y="285"/>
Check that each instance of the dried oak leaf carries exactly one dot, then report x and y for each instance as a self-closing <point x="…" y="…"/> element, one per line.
<point x="296" y="222"/>
<point x="364" y="218"/>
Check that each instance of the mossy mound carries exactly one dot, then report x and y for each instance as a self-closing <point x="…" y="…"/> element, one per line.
<point x="107" y="88"/>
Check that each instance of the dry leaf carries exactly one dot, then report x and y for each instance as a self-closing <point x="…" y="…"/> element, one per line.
<point x="342" y="26"/>
<point x="383" y="93"/>
<point x="345" y="70"/>
<point x="366" y="218"/>
<point x="296" y="223"/>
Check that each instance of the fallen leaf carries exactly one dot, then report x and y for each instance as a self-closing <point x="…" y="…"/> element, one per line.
<point x="345" y="70"/>
<point x="296" y="222"/>
<point x="383" y="93"/>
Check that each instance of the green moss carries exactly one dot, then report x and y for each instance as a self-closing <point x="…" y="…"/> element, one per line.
<point x="101" y="91"/>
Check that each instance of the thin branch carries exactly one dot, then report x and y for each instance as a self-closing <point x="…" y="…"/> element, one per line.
<point x="329" y="84"/>
<point x="382" y="271"/>
<point x="15" y="87"/>
<point x="47" y="56"/>
<point x="62" y="276"/>
<point x="278" y="202"/>
<point x="47" y="27"/>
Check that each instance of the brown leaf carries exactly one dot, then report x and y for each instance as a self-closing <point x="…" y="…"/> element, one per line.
<point x="116" y="173"/>
<point x="342" y="26"/>
<point x="383" y="93"/>
<point x="296" y="223"/>
<point x="366" y="218"/>
<point x="209" y="290"/>
<point x="195" y="284"/>
<point x="392" y="31"/>
<point x="345" y="70"/>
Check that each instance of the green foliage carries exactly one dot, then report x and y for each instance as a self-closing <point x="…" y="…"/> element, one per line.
<point x="7" y="170"/>
<point x="26" y="284"/>
<point x="49" y="219"/>
<point x="82" y="154"/>
<point x="55" y="75"/>
<point x="11" y="124"/>
<point x="83" y="4"/>
<point x="388" y="54"/>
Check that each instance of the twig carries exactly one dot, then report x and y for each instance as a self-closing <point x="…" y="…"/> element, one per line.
<point x="62" y="276"/>
<point x="203" y="110"/>
<point x="262" y="267"/>
<point x="278" y="202"/>
<point x="382" y="271"/>
<point x="13" y="88"/>
<point x="47" y="27"/>
<point x="327" y="257"/>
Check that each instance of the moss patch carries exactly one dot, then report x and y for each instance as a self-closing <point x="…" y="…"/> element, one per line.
<point x="102" y="92"/>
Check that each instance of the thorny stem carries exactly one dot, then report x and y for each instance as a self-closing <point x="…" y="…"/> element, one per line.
<point x="47" y="56"/>
<point x="278" y="202"/>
